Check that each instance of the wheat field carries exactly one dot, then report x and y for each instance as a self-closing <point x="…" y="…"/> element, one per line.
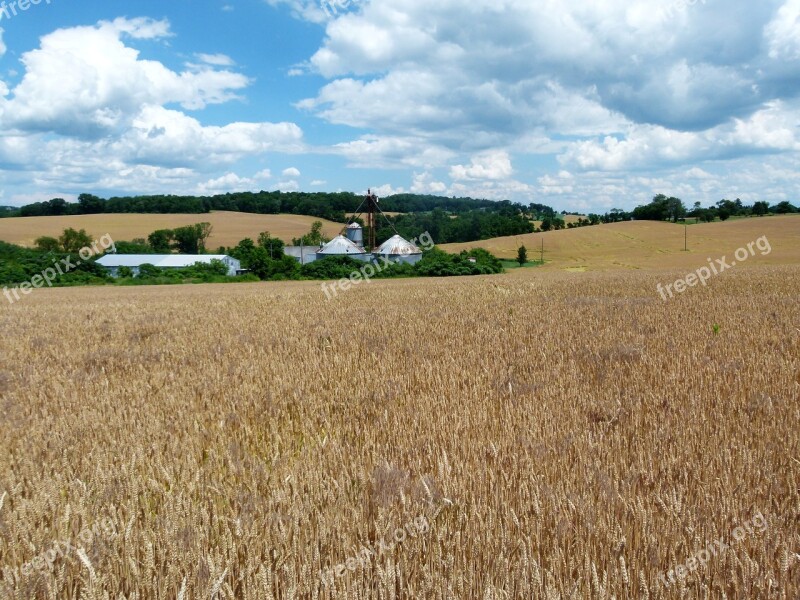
<point x="228" y="228"/>
<point x="541" y="434"/>
<point x="649" y="244"/>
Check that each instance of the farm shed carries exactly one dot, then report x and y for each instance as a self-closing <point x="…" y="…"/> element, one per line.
<point x="113" y="262"/>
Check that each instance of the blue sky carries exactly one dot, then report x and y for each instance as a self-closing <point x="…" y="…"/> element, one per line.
<point x="583" y="106"/>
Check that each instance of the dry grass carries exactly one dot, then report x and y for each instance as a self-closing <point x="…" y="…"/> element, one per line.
<point x="229" y="227"/>
<point x="578" y="435"/>
<point x="648" y="244"/>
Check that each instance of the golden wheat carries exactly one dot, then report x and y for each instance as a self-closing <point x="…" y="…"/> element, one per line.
<point x="563" y="435"/>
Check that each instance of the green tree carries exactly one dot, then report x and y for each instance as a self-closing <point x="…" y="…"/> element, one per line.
<point x="191" y="239"/>
<point x="73" y="241"/>
<point x="522" y="255"/>
<point x="125" y="272"/>
<point x="547" y="224"/>
<point x="89" y="204"/>
<point x="203" y="233"/>
<point x="161" y="240"/>
<point x="273" y="245"/>
<point x="149" y="270"/>
<point x="48" y="244"/>
<point x="760" y="208"/>
<point x="313" y="237"/>
<point x="783" y="208"/>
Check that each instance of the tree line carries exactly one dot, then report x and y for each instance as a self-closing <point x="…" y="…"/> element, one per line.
<point x="333" y="206"/>
<point x="663" y="208"/>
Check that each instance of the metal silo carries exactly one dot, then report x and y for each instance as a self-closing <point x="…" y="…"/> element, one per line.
<point x="355" y="233"/>
<point x="341" y="246"/>
<point x="399" y="250"/>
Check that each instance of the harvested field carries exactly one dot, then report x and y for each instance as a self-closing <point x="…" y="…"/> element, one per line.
<point x="535" y="435"/>
<point x="229" y="228"/>
<point x="649" y="244"/>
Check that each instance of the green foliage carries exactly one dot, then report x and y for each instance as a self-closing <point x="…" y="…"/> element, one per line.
<point x="149" y="270"/>
<point x="760" y="208"/>
<point x="48" y="244"/>
<point x="784" y="208"/>
<point x="73" y="241"/>
<point x="191" y="239"/>
<point x="272" y="245"/>
<point x="312" y="238"/>
<point x="19" y="265"/>
<point x="522" y="255"/>
<point x="161" y="241"/>
<point x="134" y="247"/>
<point x="125" y="272"/>
<point x="468" y="226"/>
<point x="331" y="267"/>
<point x="437" y="263"/>
<point x="661" y="209"/>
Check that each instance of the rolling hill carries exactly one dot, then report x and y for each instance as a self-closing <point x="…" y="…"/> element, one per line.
<point x="229" y="228"/>
<point x="650" y="244"/>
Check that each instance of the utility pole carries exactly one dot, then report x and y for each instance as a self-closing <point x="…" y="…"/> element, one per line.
<point x="685" y="237"/>
<point x="542" y="259"/>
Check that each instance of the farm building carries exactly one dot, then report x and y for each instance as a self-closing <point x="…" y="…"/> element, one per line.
<point x="302" y="254"/>
<point x="114" y="262"/>
<point x="351" y="242"/>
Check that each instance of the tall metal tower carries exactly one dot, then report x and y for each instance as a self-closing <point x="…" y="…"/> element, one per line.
<point x="372" y="220"/>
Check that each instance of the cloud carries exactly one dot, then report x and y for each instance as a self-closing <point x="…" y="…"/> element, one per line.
<point x="288" y="186"/>
<point x="89" y="113"/>
<point x="489" y="165"/>
<point x="601" y="79"/>
<point x="217" y="60"/>
<point x="85" y="82"/>
<point x="291" y="172"/>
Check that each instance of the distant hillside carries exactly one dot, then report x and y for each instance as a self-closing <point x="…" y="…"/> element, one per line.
<point x="651" y="244"/>
<point x="229" y="228"/>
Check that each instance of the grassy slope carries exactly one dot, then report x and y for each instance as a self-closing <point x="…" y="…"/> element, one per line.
<point x="229" y="227"/>
<point x="647" y="244"/>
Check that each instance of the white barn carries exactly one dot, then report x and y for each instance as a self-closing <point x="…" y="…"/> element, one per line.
<point x="113" y="262"/>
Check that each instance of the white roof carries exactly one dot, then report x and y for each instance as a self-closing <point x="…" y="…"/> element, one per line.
<point x="159" y="260"/>
<point x="398" y="246"/>
<point x="340" y="245"/>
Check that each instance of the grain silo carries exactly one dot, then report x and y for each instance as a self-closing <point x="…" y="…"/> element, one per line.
<point x="341" y="246"/>
<point x="355" y="233"/>
<point x="399" y="250"/>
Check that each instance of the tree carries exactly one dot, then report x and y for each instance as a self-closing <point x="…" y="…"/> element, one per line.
<point x="760" y="208"/>
<point x="273" y="245"/>
<point x="522" y="255"/>
<point x="783" y="208"/>
<point x="161" y="240"/>
<point x="724" y="214"/>
<point x="47" y="244"/>
<point x="74" y="241"/>
<point x="125" y="272"/>
<point x="187" y="239"/>
<point x="313" y="237"/>
<point x="203" y="233"/>
<point x="661" y="209"/>
<point x="547" y="224"/>
<point x="55" y="207"/>
<point x="89" y="204"/>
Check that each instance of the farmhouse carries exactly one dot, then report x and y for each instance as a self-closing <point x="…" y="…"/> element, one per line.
<point x="113" y="262"/>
